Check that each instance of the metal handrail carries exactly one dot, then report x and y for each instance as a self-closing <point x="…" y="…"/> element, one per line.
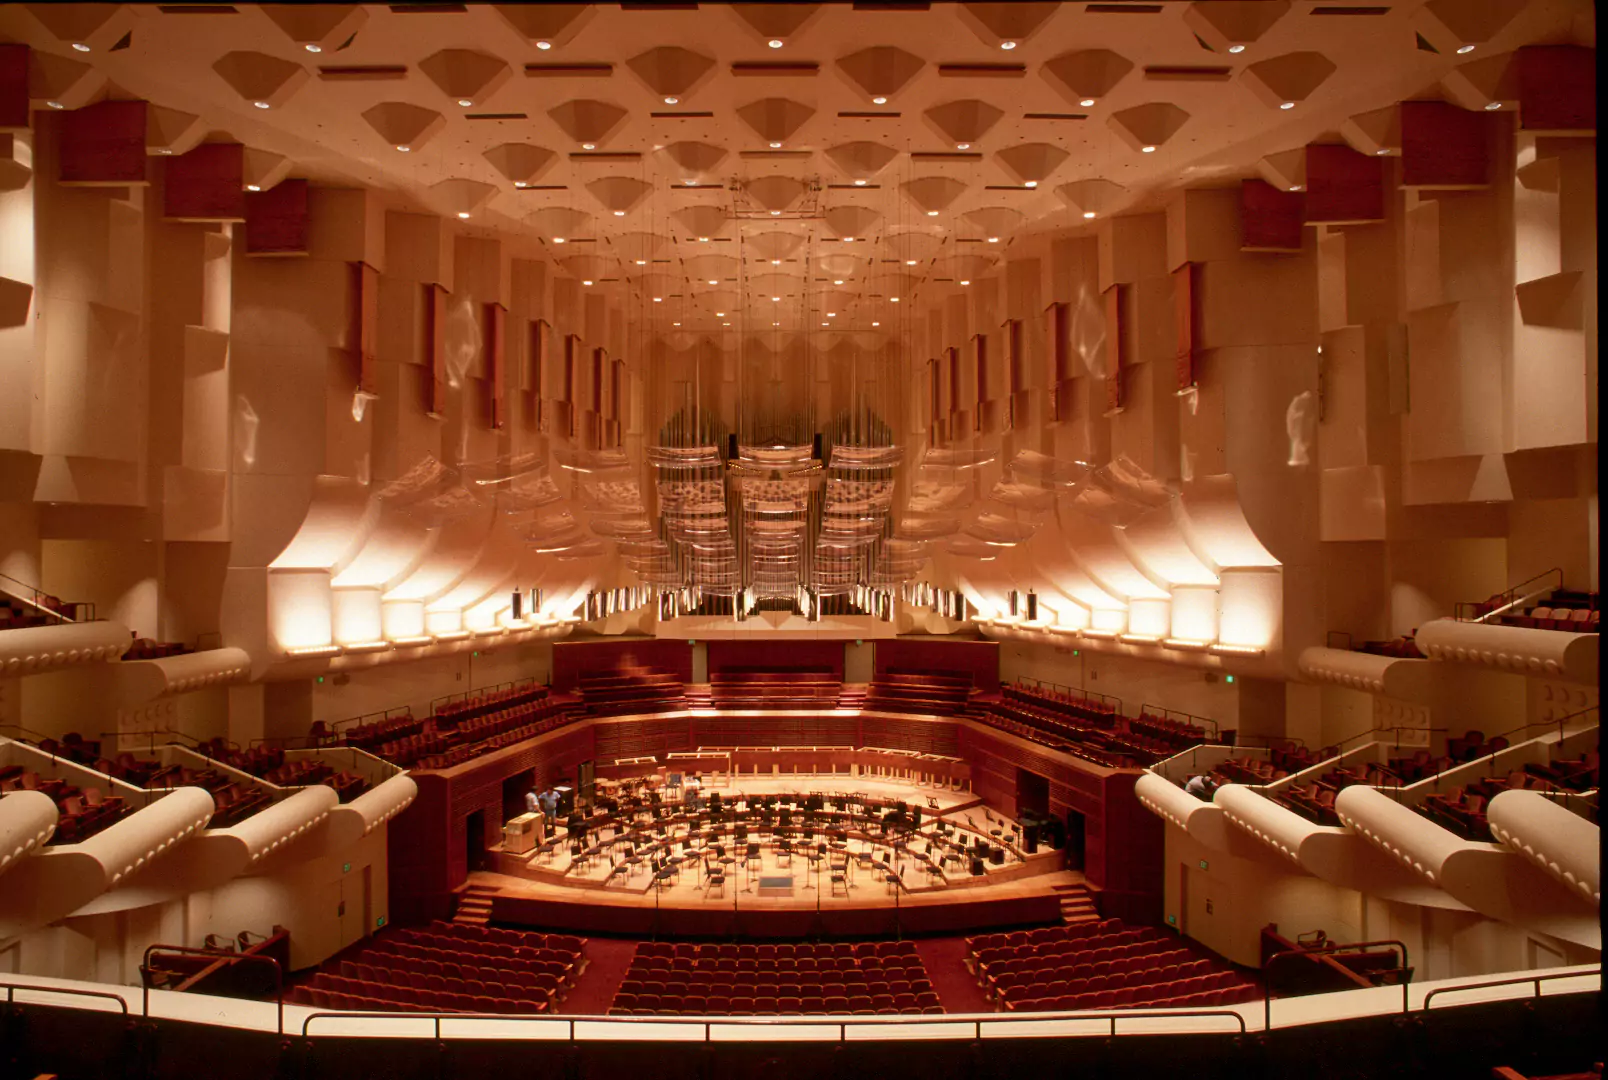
<point x="1170" y="713"/>
<point x="12" y="988"/>
<point x="1267" y="985"/>
<point x="35" y="599"/>
<point x="217" y="957"/>
<point x="1510" y="597"/>
<point x="1514" y="980"/>
<point x="977" y="1022"/>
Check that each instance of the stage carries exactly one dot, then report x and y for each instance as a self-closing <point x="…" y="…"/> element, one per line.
<point x="838" y="888"/>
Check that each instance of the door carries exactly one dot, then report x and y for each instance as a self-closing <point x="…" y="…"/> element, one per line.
<point x="1075" y="840"/>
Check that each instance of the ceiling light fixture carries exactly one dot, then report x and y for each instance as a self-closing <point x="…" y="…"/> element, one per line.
<point x="837" y="281"/>
<point x="1088" y="213"/>
<point x="1147" y="149"/>
<point x="675" y="324"/>
<point x="660" y="300"/>
<point x="1236" y="49"/>
<point x="826" y="324"/>
<point x="725" y="324"/>
<point x="1007" y="45"/>
<point x="520" y="184"/>
<point x="586" y="283"/>
<point x="1287" y="105"/>
<point x="932" y="213"/>
<point x="81" y="47"/>
<point x="720" y="314"/>
<point x="619" y="213"/>
<point x="993" y="239"/>
<point x="544" y="45"/>
<point x="893" y="299"/>
<point x="55" y="105"/>
<point x="775" y="43"/>
<point x="1030" y="183"/>
<point x="776" y="299"/>
<point x="876" y="324"/>
<point x="1295" y="187"/>
<point x="253" y="187"/>
<point x="315" y="48"/>
<point x="776" y="213"/>
<point x="703" y="239"/>
<point x="260" y="104"/>
<point x="859" y="183"/>
<point x="642" y="262"/>
<point x="776" y="262"/>
<point x="558" y="239"/>
<point x="588" y="146"/>
<point x="403" y="149"/>
<point x="672" y="101"/>
<point x="776" y="324"/>
<point x="463" y="213"/>
<point x="775" y="146"/>
<point x="1381" y="153"/>
<point x="879" y="100"/>
<point x="963" y="146"/>
<point x="465" y="102"/>
<point x="690" y="183"/>
<point x="1462" y="50"/>
<point x="1493" y="106"/>
<point x="965" y="283"/>
<point x="848" y="239"/>
<point x="1087" y="103"/>
<point x="831" y="314"/>
<point x="910" y="262"/>
<point x="164" y="150"/>
<point x="713" y="281"/>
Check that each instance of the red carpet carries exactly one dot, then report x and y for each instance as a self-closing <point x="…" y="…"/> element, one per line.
<point x="607" y="961"/>
<point x="944" y="959"/>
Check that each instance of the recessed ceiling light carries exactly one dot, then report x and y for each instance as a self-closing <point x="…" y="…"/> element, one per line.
<point x="660" y="300"/>
<point x="893" y="299"/>
<point x="776" y="262"/>
<point x="1295" y="187"/>
<point x="1147" y="149"/>
<point x="837" y="281"/>
<point x="963" y="146"/>
<point x="713" y="281"/>
<point x="831" y="314"/>
<point x="588" y="146"/>
<point x="776" y="213"/>
<point x="675" y="324"/>
<point x="619" y="213"/>
<point x="260" y="104"/>
<point x="544" y="45"/>
<point x="776" y="299"/>
<point x="55" y="105"/>
<point x="879" y="100"/>
<point x="465" y="102"/>
<point x="689" y="183"/>
<point x="826" y="324"/>
<point x="910" y="262"/>
<point x="932" y="213"/>
<point x="965" y="283"/>
<point x="775" y="146"/>
<point x="1381" y="153"/>
<point x="876" y="324"/>
<point x="1007" y="45"/>
<point x="1462" y="50"/>
<point x="776" y="324"/>
<point x="1493" y="106"/>
<point x="586" y="283"/>
<point x="521" y="184"/>
<point x="315" y="48"/>
<point x="993" y="239"/>
<point x="463" y="213"/>
<point x="253" y="187"/>
<point x="1088" y="213"/>
<point x="403" y="149"/>
<point x="725" y="324"/>
<point x="775" y="43"/>
<point x="720" y="314"/>
<point x="164" y="150"/>
<point x="672" y="101"/>
<point x="703" y="239"/>
<point x="1030" y="183"/>
<point x="1287" y="105"/>
<point x="848" y="239"/>
<point x="859" y="183"/>
<point x="642" y="262"/>
<point x="558" y="239"/>
<point x="1087" y="102"/>
<point x="81" y="47"/>
<point x="1236" y="48"/>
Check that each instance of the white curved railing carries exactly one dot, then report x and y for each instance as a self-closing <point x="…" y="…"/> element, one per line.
<point x="27" y="820"/>
<point x="1562" y="843"/>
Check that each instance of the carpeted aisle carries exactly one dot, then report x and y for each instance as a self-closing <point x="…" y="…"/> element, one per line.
<point x="607" y="962"/>
<point x="944" y="959"/>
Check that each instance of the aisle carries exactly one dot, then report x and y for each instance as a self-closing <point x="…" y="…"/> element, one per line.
<point x="944" y="959"/>
<point x="607" y="961"/>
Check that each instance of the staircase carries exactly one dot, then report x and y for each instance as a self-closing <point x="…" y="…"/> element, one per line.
<point x="474" y="905"/>
<point x="1077" y="906"/>
<point x="852" y="696"/>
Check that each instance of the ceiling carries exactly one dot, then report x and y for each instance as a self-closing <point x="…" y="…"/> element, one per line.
<point x="785" y="164"/>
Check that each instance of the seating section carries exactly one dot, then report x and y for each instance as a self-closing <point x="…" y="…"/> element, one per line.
<point x="1314" y="800"/>
<point x="1089" y="728"/>
<point x="866" y="978"/>
<point x="148" y="649"/>
<point x="450" y="967"/>
<point x="16" y="614"/>
<point x="939" y="692"/>
<point x="1100" y="965"/>
<point x="1403" y="648"/>
<point x="645" y="690"/>
<point x="82" y="812"/>
<point x="462" y="730"/>
<point x="72" y="746"/>
<point x="745" y="689"/>
<point x="1462" y="809"/>
<point x="378" y="732"/>
<point x="234" y="800"/>
<point x="1570" y="610"/>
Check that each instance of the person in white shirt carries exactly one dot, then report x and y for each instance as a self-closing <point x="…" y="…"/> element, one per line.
<point x="1197" y="786"/>
<point x="533" y="803"/>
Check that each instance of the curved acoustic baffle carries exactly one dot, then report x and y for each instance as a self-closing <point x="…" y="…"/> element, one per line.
<point x="1491" y="879"/>
<point x="144" y="680"/>
<point x="1336" y="855"/>
<point x="1553" y="654"/>
<point x="58" y="881"/>
<point x="34" y="649"/>
<point x="1203" y="821"/>
<point x="382" y="802"/>
<point x="1562" y="843"/>
<point x="1397" y="677"/>
<point x="27" y="820"/>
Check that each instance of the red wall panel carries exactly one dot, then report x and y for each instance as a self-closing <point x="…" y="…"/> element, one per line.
<point x="776" y="656"/>
<point x="1270" y="219"/>
<point x="276" y="219"/>
<point x="206" y="184"/>
<point x="1343" y="186"/>
<point x="572" y="659"/>
<point x="979" y="658"/>
<point x="1557" y="88"/>
<point x="103" y="145"/>
<point x="14" y="105"/>
<point x="1445" y="147"/>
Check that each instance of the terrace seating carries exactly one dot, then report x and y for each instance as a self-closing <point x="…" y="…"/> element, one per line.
<point x="234" y="801"/>
<point x="149" y="649"/>
<point x="15" y="615"/>
<point x="449" y="967"/>
<point x="82" y="812"/>
<point x="1100" y="965"/>
<point x="643" y="691"/>
<point x="832" y="979"/>
<point x="1089" y="728"/>
<point x="746" y="689"/>
<point x="1314" y="800"/>
<point x="919" y="691"/>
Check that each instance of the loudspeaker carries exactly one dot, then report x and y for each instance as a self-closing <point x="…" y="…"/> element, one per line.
<point x="519" y="603"/>
<point x="977" y="868"/>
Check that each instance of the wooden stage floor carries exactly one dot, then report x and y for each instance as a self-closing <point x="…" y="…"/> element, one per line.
<point x="785" y="897"/>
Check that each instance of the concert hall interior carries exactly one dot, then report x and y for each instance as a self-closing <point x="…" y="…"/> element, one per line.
<point x="799" y="539"/>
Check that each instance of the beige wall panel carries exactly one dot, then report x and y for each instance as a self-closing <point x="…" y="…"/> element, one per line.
<point x="1551" y="387"/>
<point x="1353" y="503"/>
<point x="1132" y="247"/>
<point x="346" y="225"/>
<point x="1257" y="300"/>
<point x="481" y="269"/>
<point x="1544" y="533"/>
<point x="96" y="380"/>
<point x="402" y="314"/>
<point x="205" y="399"/>
<point x="267" y="511"/>
<point x="118" y="576"/>
<point x="90" y="481"/>
<point x="1373" y="281"/>
<point x="1331" y="255"/>
<point x="288" y="303"/>
<point x="1427" y="579"/>
<point x="1203" y="225"/>
<point x="418" y="248"/>
<point x="1476" y="478"/>
<point x="195" y="504"/>
<point x="403" y="433"/>
<point x="1455" y="380"/>
<point x="1152" y="326"/>
<point x="279" y="424"/>
<point x="192" y="589"/>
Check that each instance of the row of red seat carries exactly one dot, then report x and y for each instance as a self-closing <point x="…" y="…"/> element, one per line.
<point x="1127" y="971"/>
<point x="81" y="812"/>
<point x="1188" y="994"/>
<point x="780" y="951"/>
<point x="326" y="991"/>
<point x="919" y="691"/>
<point x="1043" y="935"/>
<point x="759" y="1003"/>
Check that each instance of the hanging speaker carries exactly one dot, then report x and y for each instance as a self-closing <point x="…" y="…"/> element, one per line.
<point x="519" y="599"/>
<point x="1032" y="605"/>
<point x="1013" y="601"/>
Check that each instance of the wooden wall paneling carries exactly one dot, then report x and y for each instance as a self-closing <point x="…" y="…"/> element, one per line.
<point x="1270" y="219"/>
<point x="572" y="363"/>
<point x="982" y="404"/>
<point x="1557" y="89"/>
<point x="1015" y="388"/>
<point x="1445" y="147"/>
<point x="1114" y="347"/>
<point x="1343" y="187"/>
<point x="276" y="219"/>
<point x="1058" y="359"/>
<point x="952" y="360"/>
<point x="14" y="104"/>
<point x="541" y="354"/>
<point x="367" y="311"/>
<point x="435" y="301"/>
<point x="496" y="347"/>
<point x="103" y="145"/>
<point x="208" y="184"/>
<point x="1184" y="315"/>
<point x="616" y="390"/>
<point x="594" y="400"/>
